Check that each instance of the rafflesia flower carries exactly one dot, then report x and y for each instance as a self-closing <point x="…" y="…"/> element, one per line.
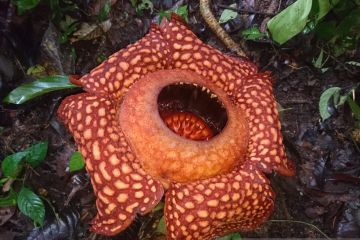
<point x="172" y="113"/>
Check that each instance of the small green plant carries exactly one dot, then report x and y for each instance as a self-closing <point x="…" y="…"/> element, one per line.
<point x="355" y="109"/>
<point x="353" y="63"/>
<point x="104" y="12"/>
<point x="339" y="31"/>
<point x="61" y="12"/>
<point x="182" y="11"/>
<point x="161" y="227"/>
<point x="12" y="167"/>
<point x="232" y="236"/>
<point x="334" y="97"/>
<point x="67" y="27"/>
<point x="293" y="19"/>
<point x="142" y="5"/>
<point x="253" y="34"/>
<point x="36" y="70"/>
<point x="330" y="94"/>
<point x="76" y="162"/>
<point x="25" y="5"/>
<point x="228" y="14"/>
<point x="320" y="61"/>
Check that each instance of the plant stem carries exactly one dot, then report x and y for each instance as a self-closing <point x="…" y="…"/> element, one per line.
<point x="304" y="223"/>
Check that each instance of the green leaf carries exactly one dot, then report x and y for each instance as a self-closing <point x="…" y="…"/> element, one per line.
<point x="37" y="88"/>
<point x="9" y="200"/>
<point x="101" y="58"/>
<point x="252" y="34"/>
<point x="24" y="5"/>
<point x="322" y="7"/>
<point x="161" y="227"/>
<point x="12" y="165"/>
<point x="354" y="63"/>
<point x="31" y="205"/>
<point x="36" y="153"/>
<point x="158" y="207"/>
<point x="3" y="180"/>
<point x="68" y="26"/>
<point x="76" y="162"/>
<point x="324" y="101"/>
<point x="228" y="14"/>
<point x="320" y="61"/>
<point x="232" y="236"/>
<point x="163" y="14"/>
<point x="349" y="22"/>
<point x="290" y="21"/>
<point x="35" y="70"/>
<point x="354" y="108"/>
<point x="104" y="11"/>
<point x="340" y="99"/>
<point x="145" y="5"/>
<point x="133" y="3"/>
<point x="182" y="11"/>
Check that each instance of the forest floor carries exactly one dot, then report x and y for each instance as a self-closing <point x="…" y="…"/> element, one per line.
<point x="324" y="194"/>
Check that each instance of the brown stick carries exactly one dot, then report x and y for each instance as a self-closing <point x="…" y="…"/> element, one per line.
<point x="209" y="18"/>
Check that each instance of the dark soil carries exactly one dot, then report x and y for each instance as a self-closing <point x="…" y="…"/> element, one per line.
<point x="325" y="192"/>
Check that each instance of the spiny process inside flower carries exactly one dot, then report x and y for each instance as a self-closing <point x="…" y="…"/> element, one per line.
<point x="142" y="131"/>
<point x="192" y="111"/>
<point x="188" y="125"/>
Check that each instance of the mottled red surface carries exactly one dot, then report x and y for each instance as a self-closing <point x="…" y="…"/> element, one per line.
<point x="188" y="125"/>
<point x="239" y="199"/>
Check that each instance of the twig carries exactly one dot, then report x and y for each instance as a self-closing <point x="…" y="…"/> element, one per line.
<point x="279" y="6"/>
<point x="246" y="11"/>
<point x="217" y="29"/>
<point x="304" y="223"/>
<point x="338" y="61"/>
<point x="7" y="185"/>
<point x="51" y="206"/>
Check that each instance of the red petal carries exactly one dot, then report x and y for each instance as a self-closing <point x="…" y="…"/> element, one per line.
<point x="121" y="186"/>
<point x="239" y="79"/>
<point x="115" y="75"/>
<point x="266" y="149"/>
<point x="205" y="209"/>
<point x="190" y="53"/>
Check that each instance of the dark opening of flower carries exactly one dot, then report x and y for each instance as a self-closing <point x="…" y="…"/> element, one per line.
<point x="172" y="113"/>
<point x="192" y="111"/>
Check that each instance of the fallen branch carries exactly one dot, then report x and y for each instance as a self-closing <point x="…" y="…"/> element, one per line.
<point x="209" y="18"/>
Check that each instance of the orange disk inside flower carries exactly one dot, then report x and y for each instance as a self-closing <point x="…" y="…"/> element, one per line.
<point x="188" y="125"/>
<point x="172" y="157"/>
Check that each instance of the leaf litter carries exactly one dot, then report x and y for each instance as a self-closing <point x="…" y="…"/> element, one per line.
<point x="325" y="192"/>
